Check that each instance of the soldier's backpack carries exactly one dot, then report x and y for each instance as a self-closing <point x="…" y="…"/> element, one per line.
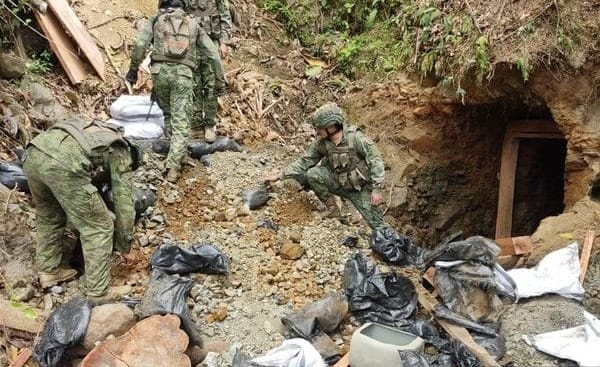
<point x="175" y="31"/>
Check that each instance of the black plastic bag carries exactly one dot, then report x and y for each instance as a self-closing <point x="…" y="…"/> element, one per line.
<point x="257" y="197"/>
<point x="461" y="356"/>
<point x="202" y="258"/>
<point x="167" y="294"/>
<point x="476" y="249"/>
<point x="444" y="313"/>
<point x="65" y="327"/>
<point x="143" y="199"/>
<point x="494" y="345"/>
<point x="425" y="330"/>
<point x="12" y="175"/>
<point x="385" y="298"/>
<point x="323" y="315"/>
<point x="413" y="359"/>
<point x="327" y="348"/>
<point x="396" y="248"/>
<point x="221" y="144"/>
<point x="350" y="241"/>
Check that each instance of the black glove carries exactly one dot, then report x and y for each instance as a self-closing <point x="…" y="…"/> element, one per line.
<point x="131" y="76"/>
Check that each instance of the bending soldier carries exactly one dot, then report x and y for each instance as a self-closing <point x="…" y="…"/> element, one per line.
<point x="178" y="45"/>
<point x="214" y="17"/>
<point x="59" y="165"/>
<point x="350" y="166"/>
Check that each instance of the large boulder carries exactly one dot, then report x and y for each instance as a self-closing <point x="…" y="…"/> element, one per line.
<point x="11" y="66"/>
<point x="110" y="319"/>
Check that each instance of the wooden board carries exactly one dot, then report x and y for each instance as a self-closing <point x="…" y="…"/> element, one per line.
<point x="586" y="252"/>
<point x="63" y="47"/>
<point x="344" y="362"/>
<point x="457" y="332"/>
<point x="515" y="245"/>
<point x="77" y="30"/>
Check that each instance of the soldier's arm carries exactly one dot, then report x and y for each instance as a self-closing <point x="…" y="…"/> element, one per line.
<point x="367" y="149"/>
<point x="208" y="50"/>
<point x="121" y="176"/>
<point x="226" y="23"/>
<point x="142" y="44"/>
<point x="309" y="159"/>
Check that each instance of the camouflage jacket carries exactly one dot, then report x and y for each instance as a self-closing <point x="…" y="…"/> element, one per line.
<point x="116" y="160"/>
<point x="205" y="48"/>
<point x="322" y="151"/>
<point x="214" y="17"/>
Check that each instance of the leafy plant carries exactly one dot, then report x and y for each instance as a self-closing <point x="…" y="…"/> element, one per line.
<point x="523" y="66"/>
<point x="40" y="63"/>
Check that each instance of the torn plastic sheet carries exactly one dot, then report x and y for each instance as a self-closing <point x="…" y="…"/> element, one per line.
<point x="558" y="272"/>
<point x="322" y="315"/>
<point x="291" y="353"/>
<point x="579" y="344"/>
<point x="396" y="248"/>
<point x="65" y="327"/>
<point x="474" y="249"/>
<point x="168" y="294"/>
<point x="203" y="258"/>
<point x="387" y="298"/>
<point x="444" y="313"/>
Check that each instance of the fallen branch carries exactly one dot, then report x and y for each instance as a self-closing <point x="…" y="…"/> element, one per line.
<point x="263" y="112"/>
<point x="22" y="358"/>
<point x="389" y="199"/>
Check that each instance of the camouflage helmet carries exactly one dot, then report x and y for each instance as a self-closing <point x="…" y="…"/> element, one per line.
<point x="162" y="4"/>
<point x="329" y="114"/>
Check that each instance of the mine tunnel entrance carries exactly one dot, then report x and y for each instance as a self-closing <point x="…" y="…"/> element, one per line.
<point x="531" y="182"/>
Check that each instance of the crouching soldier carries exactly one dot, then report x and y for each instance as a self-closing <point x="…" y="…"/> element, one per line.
<point x="60" y="164"/>
<point x="178" y="46"/>
<point x="350" y="166"/>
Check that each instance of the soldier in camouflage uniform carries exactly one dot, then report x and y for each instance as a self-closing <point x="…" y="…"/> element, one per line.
<point x="175" y="57"/>
<point x="59" y="165"/>
<point x="214" y="17"/>
<point x="350" y="165"/>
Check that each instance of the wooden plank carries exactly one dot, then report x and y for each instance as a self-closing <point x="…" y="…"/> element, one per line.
<point x="506" y="189"/>
<point x="344" y="362"/>
<point x="22" y="358"/>
<point x="515" y="245"/>
<point x="63" y="47"/>
<point x="533" y="126"/>
<point x="457" y="332"/>
<point x="77" y="30"/>
<point x="586" y="252"/>
<point x="15" y="318"/>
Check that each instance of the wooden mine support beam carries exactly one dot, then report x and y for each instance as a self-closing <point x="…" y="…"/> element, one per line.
<point x="516" y="130"/>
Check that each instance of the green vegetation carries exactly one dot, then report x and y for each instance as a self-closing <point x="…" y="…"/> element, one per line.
<point x="40" y="63"/>
<point x="446" y="40"/>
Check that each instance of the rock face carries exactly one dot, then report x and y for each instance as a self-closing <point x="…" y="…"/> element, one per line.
<point x="111" y="319"/>
<point x="156" y="341"/>
<point x="45" y="107"/>
<point x="11" y="66"/>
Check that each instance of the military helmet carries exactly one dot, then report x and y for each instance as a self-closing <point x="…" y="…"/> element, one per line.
<point x="329" y="114"/>
<point x="172" y="4"/>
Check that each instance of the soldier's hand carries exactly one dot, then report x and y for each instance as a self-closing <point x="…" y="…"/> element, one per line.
<point x="376" y="198"/>
<point x="223" y="50"/>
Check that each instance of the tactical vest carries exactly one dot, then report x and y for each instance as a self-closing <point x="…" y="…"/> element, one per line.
<point x="94" y="137"/>
<point x="175" y="33"/>
<point x="206" y="13"/>
<point x="349" y="167"/>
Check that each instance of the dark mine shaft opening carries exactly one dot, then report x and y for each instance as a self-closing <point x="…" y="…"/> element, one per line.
<point x="539" y="183"/>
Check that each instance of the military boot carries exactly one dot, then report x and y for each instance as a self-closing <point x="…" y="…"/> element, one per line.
<point x="108" y="296"/>
<point x="197" y="133"/>
<point x="172" y="175"/>
<point x="210" y="134"/>
<point x="48" y="279"/>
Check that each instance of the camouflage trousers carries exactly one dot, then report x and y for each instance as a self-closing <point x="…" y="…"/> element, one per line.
<point x="206" y="83"/>
<point x="60" y="195"/>
<point x="172" y="88"/>
<point x="323" y="182"/>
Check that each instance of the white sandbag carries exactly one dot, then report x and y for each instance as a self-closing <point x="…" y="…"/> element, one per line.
<point x="558" y="272"/>
<point x="579" y="344"/>
<point x="140" y="129"/>
<point x="291" y="353"/>
<point x="135" y="108"/>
